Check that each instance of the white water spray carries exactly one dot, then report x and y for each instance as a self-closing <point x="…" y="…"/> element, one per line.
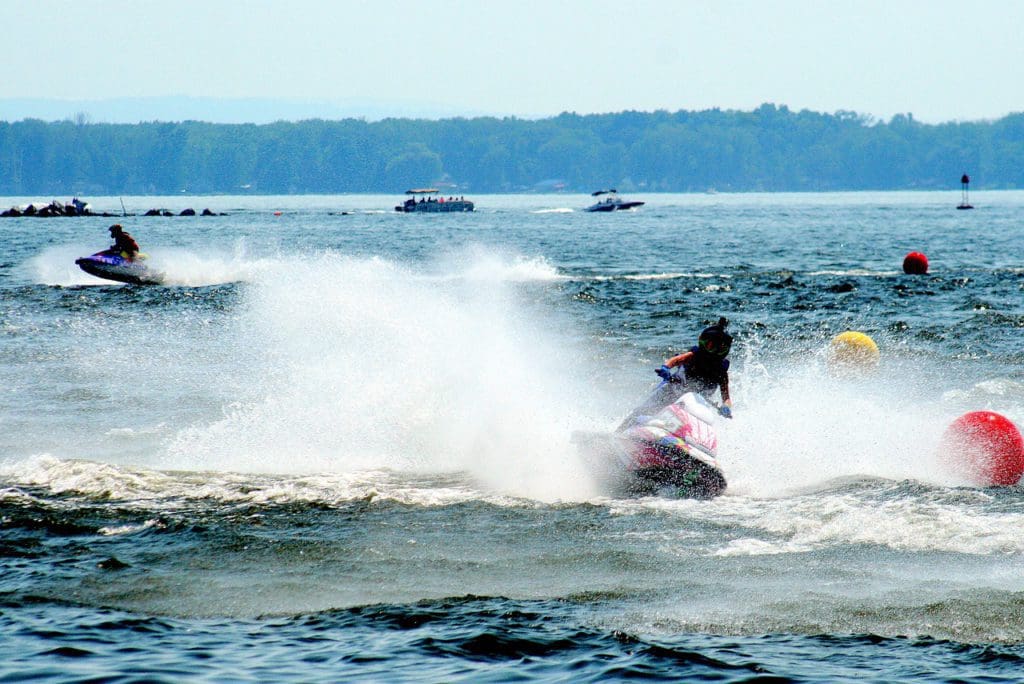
<point x="799" y="427"/>
<point x="366" y="364"/>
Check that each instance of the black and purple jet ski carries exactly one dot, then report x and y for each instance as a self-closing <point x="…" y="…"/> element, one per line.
<point x="116" y="266"/>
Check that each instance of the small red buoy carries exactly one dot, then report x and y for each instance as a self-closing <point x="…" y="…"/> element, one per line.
<point x="915" y="263"/>
<point x="277" y="213"/>
<point x="986" y="447"/>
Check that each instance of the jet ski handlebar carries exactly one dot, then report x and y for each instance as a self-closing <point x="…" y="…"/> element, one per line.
<point x="675" y="376"/>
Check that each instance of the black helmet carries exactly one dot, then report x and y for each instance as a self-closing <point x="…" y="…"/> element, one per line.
<point x="714" y="340"/>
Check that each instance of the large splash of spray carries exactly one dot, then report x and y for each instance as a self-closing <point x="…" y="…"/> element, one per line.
<point x="365" y="363"/>
<point x="801" y="425"/>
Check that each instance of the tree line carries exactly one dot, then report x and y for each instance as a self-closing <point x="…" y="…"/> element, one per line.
<point x="768" y="149"/>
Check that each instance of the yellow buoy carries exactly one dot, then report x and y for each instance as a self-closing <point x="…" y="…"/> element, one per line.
<point x="853" y="350"/>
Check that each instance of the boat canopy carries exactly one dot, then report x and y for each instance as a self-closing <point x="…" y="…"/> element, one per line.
<point x="420" y="191"/>
<point x="604" y="192"/>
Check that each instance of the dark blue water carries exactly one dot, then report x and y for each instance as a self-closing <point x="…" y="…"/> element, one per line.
<point x="337" y="445"/>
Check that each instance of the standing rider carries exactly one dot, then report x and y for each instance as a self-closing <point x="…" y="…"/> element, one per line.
<point x="705" y="367"/>
<point x="124" y="243"/>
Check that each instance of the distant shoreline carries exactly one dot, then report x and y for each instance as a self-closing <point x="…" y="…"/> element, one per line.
<point x="173" y="208"/>
<point x="770" y="149"/>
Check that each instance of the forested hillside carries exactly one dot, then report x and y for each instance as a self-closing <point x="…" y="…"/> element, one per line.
<point x="768" y="149"/>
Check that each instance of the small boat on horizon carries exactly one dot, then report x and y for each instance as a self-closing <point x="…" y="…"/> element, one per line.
<point x="428" y="202"/>
<point x="612" y="201"/>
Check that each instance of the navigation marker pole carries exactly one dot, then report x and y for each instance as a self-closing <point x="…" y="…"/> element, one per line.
<point x="964" y="182"/>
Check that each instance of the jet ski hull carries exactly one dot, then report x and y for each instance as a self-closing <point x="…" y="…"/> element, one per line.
<point x="671" y="453"/>
<point x="627" y="467"/>
<point x="111" y="266"/>
<point x="675" y="473"/>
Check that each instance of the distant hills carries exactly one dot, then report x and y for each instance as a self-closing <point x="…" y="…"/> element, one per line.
<point x="216" y="109"/>
<point x="768" y="149"/>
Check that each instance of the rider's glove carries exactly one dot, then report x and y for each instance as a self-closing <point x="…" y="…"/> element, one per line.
<point x="725" y="411"/>
<point x="665" y="373"/>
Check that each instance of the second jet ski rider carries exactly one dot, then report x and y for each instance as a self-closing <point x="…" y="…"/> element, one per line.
<point x="705" y="367"/>
<point x="124" y="243"/>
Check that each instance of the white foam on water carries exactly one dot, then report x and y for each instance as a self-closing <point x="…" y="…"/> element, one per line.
<point x="864" y="514"/>
<point x="486" y="265"/>
<point x="856" y="272"/>
<point x="654" y="276"/>
<point x="164" y="490"/>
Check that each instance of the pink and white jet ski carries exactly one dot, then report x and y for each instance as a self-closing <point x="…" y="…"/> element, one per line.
<point x="667" y="451"/>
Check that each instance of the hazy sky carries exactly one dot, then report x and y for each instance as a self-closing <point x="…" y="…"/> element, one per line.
<point x="937" y="59"/>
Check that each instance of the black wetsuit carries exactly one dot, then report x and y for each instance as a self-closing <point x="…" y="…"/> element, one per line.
<point x="705" y="373"/>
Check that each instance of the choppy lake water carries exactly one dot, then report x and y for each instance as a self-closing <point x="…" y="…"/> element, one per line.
<point x="336" y="445"/>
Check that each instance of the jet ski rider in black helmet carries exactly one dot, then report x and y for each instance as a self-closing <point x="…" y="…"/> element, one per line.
<point x="705" y="367"/>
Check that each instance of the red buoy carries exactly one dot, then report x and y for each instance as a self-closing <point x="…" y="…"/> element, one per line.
<point x="915" y="263"/>
<point x="986" y="447"/>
